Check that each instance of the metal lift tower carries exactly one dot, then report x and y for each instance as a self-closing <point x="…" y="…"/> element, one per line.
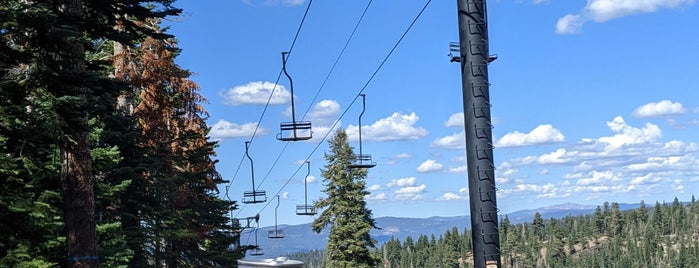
<point x="474" y="59"/>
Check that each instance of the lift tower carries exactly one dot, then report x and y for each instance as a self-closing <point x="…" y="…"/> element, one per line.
<point x="474" y="60"/>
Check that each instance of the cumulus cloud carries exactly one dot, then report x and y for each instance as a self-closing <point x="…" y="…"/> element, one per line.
<point x="661" y="108"/>
<point x="456" y="141"/>
<point x="542" y="134"/>
<point x="324" y="112"/>
<point x="429" y="166"/>
<point x="224" y="129"/>
<point x="375" y="187"/>
<point x="632" y="159"/>
<point x="569" y="24"/>
<point x="605" y="10"/>
<point x="394" y="159"/>
<point x="450" y="196"/>
<point x="410" y="192"/>
<point x="378" y="196"/>
<point x="455" y="120"/>
<point x="628" y="135"/>
<point x="459" y="169"/>
<point x="393" y="128"/>
<point x="257" y="92"/>
<point x="402" y="182"/>
<point x="311" y="179"/>
<point x="547" y="190"/>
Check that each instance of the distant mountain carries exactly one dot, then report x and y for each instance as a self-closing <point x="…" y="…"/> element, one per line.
<point x="300" y="238"/>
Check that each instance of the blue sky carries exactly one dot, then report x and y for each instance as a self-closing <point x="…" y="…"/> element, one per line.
<point x="593" y="100"/>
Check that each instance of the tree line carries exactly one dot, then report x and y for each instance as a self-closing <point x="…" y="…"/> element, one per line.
<point x="104" y="156"/>
<point x="663" y="235"/>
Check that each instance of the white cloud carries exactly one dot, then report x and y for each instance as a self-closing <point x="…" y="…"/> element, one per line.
<point x="379" y="196"/>
<point x="285" y="195"/>
<point x="394" y="159"/>
<point x="605" y="10"/>
<point x="257" y="92"/>
<point x="628" y="135"/>
<point x="557" y="157"/>
<point x="661" y="108"/>
<point x="569" y="24"/>
<point x="455" y="120"/>
<point x="410" y="192"/>
<point x="375" y="187"/>
<point x="393" y="128"/>
<point x="542" y="134"/>
<point x="459" y="169"/>
<point x="547" y="190"/>
<point x="456" y="141"/>
<point x="597" y="178"/>
<point x="224" y="129"/>
<point x="319" y="131"/>
<point x="429" y="166"/>
<point x="450" y="196"/>
<point x="632" y="160"/>
<point x="324" y="112"/>
<point x="678" y="186"/>
<point x="311" y="179"/>
<point x="402" y="182"/>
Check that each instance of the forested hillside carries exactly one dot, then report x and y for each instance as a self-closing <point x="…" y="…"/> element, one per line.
<point x="662" y="235"/>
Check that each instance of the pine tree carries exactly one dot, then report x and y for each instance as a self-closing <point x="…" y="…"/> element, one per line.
<point x="344" y="209"/>
<point x="179" y="219"/>
<point x="538" y="226"/>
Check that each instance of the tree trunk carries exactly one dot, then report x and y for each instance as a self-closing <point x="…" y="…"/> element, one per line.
<point x="78" y="192"/>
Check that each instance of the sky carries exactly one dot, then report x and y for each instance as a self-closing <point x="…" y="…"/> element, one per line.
<point x="592" y="100"/>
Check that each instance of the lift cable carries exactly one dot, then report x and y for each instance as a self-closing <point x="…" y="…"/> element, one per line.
<point x="264" y="110"/>
<point x="332" y="69"/>
<point x="337" y="60"/>
<point x="353" y="100"/>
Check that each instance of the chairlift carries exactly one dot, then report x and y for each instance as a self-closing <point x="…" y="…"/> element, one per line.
<point x="276" y="232"/>
<point x="362" y="160"/>
<point x="306" y="209"/>
<point x="294" y="130"/>
<point x="239" y="227"/>
<point x="256" y="250"/>
<point x="254" y="196"/>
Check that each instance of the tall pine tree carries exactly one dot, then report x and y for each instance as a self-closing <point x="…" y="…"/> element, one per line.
<point x="344" y="209"/>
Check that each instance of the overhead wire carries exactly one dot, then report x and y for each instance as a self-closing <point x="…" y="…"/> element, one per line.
<point x="321" y="86"/>
<point x="373" y="75"/>
<point x="330" y="72"/>
<point x="264" y="110"/>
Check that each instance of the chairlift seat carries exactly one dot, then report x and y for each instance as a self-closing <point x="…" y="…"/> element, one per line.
<point x="305" y="210"/>
<point x="256" y="252"/>
<point x="294" y="127"/>
<point x="275" y="233"/>
<point x="362" y="161"/>
<point x="252" y="197"/>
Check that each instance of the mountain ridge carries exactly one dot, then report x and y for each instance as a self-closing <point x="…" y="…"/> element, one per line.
<point x="301" y="238"/>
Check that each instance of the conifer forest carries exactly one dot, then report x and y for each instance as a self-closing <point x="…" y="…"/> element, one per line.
<point x="660" y="235"/>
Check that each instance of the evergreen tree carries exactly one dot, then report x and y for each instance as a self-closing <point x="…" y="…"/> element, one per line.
<point x="344" y="208"/>
<point x="179" y="218"/>
<point x="538" y="226"/>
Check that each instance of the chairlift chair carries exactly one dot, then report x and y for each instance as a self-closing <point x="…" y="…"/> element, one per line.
<point x="305" y="209"/>
<point x="362" y="160"/>
<point x="254" y="196"/>
<point x="256" y="250"/>
<point x="294" y="130"/>
<point x="276" y="232"/>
